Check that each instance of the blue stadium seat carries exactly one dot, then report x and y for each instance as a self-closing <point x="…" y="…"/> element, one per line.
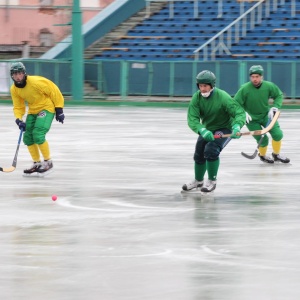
<point x="160" y="37"/>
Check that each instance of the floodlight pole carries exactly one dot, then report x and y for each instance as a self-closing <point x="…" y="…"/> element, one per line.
<point x="77" y="53"/>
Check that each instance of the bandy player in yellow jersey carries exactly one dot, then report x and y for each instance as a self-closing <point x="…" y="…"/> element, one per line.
<point x="44" y="101"/>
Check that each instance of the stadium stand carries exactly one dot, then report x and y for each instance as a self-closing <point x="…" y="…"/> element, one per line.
<point x="175" y="35"/>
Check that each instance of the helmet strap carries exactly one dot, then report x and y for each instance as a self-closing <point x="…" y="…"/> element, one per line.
<point x="207" y="95"/>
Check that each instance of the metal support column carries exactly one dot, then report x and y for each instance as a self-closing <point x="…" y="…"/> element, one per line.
<point x="77" y="53"/>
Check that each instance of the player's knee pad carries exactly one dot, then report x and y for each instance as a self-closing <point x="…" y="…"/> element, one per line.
<point x="27" y="139"/>
<point x="264" y="142"/>
<point x="277" y="136"/>
<point x="198" y="155"/>
<point x="198" y="159"/>
<point x="212" y="151"/>
<point x="38" y="137"/>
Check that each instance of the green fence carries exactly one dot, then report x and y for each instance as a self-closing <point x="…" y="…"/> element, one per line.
<point x="158" y="78"/>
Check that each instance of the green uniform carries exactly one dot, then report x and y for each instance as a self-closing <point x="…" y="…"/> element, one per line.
<point x="216" y="112"/>
<point x="255" y="101"/>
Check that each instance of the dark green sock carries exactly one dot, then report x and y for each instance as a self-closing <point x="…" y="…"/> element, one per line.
<point x="200" y="170"/>
<point x="212" y="169"/>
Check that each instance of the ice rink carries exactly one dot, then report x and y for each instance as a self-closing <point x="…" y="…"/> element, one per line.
<point x="122" y="230"/>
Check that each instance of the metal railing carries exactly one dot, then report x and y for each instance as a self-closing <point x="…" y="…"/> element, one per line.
<point x="246" y="21"/>
<point x="222" y="41"/>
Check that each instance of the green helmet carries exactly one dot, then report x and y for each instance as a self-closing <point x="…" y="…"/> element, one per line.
<point x="206" y="77"/>
<point x="256" y="70"/>
<point x="17" y="67"/>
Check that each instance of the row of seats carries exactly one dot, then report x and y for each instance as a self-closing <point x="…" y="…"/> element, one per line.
<point x="277" y="37"/>
<point x="162" y="32"/>
<point x="181" y="22"/>
<point x="252" y="47"/>
<point x="162" y="50"/>
<point x="160" y="37"/>
<point x="282" y="35"/>
<point x="181" y="57"/>
<point x="181" y="15"/>
<point x="140" y="38"/>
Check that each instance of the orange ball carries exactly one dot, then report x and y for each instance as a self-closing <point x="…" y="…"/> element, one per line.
<point x="54" y="197"/>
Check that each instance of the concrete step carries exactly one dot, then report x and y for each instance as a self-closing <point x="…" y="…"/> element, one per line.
<point x="120" y="31"/>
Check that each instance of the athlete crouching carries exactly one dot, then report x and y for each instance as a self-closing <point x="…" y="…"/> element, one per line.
<point x="44" y="102"/>
<point x="211" y="111"/>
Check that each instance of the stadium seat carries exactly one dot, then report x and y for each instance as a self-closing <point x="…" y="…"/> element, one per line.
<point x="164" y="38"/>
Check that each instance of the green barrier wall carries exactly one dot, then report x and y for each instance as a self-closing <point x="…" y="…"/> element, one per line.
<point x="162" y="78"/>
<point x="178" y="78"/>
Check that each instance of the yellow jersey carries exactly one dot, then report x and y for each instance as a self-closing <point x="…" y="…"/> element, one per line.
<point x="40" y="93"/>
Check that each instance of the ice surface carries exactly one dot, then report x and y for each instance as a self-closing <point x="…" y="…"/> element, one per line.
<point x="121" y="229"/>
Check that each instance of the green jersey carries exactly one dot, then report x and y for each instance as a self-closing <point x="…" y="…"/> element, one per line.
<point x="217" y="111"/>
<point x="255" y="100"/>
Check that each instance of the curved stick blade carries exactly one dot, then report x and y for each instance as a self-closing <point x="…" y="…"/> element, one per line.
<point x="14" y="164"/>
<point x="7" y="170"/>
<point x="250" y="156"/>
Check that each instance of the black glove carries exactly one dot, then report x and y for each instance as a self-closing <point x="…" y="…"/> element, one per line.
<point x="59" y="114"/>
<point x="21" y="124"/>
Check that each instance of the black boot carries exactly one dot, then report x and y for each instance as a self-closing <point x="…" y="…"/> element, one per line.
<point x="278" y="157"/>
<point x="34" y="168"/>
<point x="266" y="159"/>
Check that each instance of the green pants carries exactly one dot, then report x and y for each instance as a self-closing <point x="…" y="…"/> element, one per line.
<point x="276" y="132"/>
<point x="36" y="127"/>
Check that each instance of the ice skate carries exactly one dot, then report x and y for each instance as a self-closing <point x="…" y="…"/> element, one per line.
<point x="46" y="168"/>
<point x="209" y="187"/>
<point x="266" y="159"/>
<point x="192" y="185"/>
<point x="33" y="170"/>
<point x="280" y="158"/>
